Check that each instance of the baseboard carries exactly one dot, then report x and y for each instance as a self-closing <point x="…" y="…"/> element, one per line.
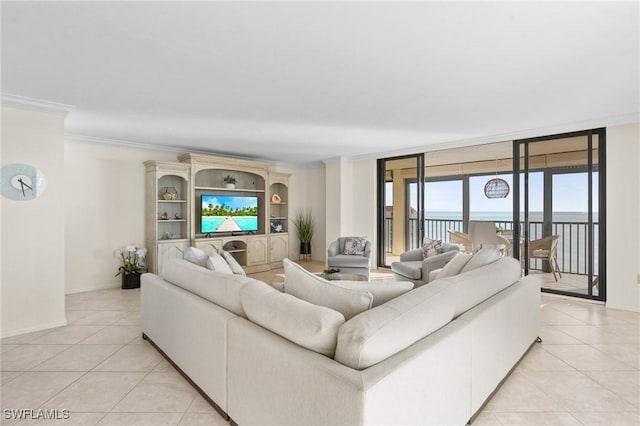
<point x="41" y="327"/>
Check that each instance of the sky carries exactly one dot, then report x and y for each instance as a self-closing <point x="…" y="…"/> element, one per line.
<point x="229" y="201"/>
<point x="569" y="194"/>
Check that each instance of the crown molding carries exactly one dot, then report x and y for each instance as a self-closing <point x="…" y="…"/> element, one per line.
<point x="614" y="120"/>
<point x="123" y="143"/>
<point x="33" y="104"/>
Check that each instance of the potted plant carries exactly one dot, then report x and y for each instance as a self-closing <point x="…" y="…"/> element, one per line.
<point x="230" y="181"/>
<point x="304" y="223"/>
<point x="132" y="265"/>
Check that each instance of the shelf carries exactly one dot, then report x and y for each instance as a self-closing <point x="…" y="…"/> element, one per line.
<point x="279" y="218"/>
<point x="278" y="204"/>
<point x="213" y="188"/>
<point x="171" y="220"/>
<point x="171" y="240"/>
<point x="172" y="201"/>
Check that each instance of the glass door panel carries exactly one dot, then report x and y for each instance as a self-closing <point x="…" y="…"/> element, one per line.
<point x="400" y="216"/>
<point x="560" y="241"/>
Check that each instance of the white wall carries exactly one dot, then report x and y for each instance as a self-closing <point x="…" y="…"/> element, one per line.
<point x="33" y="240"/>
<point x="623" y="217"/>
<point x="306" y="191"/>
<point x="103" y="210"/>
<point x="351" y="200"/>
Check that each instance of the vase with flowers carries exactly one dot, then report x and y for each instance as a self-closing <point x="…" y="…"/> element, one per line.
<point x="132" y="265"/>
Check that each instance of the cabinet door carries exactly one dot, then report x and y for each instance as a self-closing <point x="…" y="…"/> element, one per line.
<point x="169" y="250"/>
<point x="279" y="248"/>
<point x="256" y="251"/>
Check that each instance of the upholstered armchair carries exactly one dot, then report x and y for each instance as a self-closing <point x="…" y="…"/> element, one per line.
<point x="357" y="262"/>
<point x="412" y="267"/>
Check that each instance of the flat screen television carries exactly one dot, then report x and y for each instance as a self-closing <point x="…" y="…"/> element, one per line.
<point x="228" y="213"/>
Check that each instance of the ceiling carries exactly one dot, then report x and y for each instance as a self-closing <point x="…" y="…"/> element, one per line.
<point x="299" y="82"/>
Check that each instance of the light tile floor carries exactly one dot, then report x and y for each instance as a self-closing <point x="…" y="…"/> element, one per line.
<point x="586" y="371"/>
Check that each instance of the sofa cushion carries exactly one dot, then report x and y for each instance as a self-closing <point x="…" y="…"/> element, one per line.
<point x="310" y="326"/>
<point x="454" y="266"/>
<point x="233" y="263"/>
<point x="382" y="291"/>
<point x="482" y="257"/>
<point x="219" y="288"/>
<point x="476" y="286"/>
<point x="314" y="289"/>
<point x="387" y="329"/>
<point x="411" y="269"/>
<point x="218" y="264"/>
<point x="196" y="256"/>
<point x="354" y="246"/>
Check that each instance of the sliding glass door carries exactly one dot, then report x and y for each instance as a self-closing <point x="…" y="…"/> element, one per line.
<point x="400" y="200"/>
<point x="560" y="209"/>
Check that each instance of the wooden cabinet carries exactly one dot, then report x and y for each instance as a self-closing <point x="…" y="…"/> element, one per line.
<point x="184" y="206"/>
<point x="167" y="212"/>
<point x="278" y="249"/>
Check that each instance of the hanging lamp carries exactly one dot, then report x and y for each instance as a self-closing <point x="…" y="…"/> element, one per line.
<point x="496" y="187"/>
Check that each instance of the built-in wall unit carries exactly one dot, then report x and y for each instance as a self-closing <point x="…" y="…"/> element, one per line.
<point x="220" y="203"/>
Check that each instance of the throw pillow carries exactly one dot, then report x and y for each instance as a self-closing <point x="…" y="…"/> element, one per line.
<point x="483" y="257"/>
<point x="314" y="289"/>
<point x="196" y="256"/>
<point x="218" y="264"/>
<point x="454" y="266"/>
<point x="431" y="247"/>
<point x="233" y="263"/>
<point x="354" y="246"/>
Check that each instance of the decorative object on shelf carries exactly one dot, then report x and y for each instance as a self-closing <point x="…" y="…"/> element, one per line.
<point x="275" y="198"/>
<point x="22" y="182"/>
<point x="167" y="235"/>
<point x="133" y="263"/>
<point x="176" y="216"/>
<point x="496" y="187"/>
<point x="164" y="216"/>
<point x="169" y="193"/>
<point x="304" y="224"/>
<point x="230" y="181"/>
<point x="277" y="226"/>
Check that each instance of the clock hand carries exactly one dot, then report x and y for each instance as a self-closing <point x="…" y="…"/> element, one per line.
<point x="23" y="185"/>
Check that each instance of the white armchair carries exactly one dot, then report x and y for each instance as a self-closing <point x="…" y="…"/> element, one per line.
<point x="357" y="264"/>
<point x="412" y="267"/>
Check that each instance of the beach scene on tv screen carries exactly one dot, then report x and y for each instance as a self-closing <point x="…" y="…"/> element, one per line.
<point x="227" y="213"/>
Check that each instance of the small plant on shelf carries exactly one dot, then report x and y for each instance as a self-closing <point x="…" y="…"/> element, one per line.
<point x="230" y="181"/>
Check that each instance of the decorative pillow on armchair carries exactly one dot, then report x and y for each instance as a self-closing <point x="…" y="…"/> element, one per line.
<point x="354" y="245"/>
<point x="431" y="247"/>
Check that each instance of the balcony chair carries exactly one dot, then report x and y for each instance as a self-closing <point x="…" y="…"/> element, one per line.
<point x="357" y="264"/>
<point x="457" y="237"/>
<point x="546" y="249"/>
<point x="412" y="267"/>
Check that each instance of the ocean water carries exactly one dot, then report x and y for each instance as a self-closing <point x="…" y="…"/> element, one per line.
<point x="575" y="217"/>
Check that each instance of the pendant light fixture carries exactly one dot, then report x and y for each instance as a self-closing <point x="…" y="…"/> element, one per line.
<point x="496" y="187"/>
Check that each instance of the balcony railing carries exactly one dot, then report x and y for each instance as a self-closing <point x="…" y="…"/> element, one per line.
<point x="572" y="252"/>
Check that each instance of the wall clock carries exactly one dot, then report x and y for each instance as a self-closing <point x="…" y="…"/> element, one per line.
<point x="22" y="182"/>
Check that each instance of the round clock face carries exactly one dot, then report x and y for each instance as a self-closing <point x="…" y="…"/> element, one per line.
<point x="22" y="182"/>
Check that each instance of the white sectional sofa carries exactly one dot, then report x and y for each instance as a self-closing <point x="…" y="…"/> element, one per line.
<point x="433" y="355"/>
